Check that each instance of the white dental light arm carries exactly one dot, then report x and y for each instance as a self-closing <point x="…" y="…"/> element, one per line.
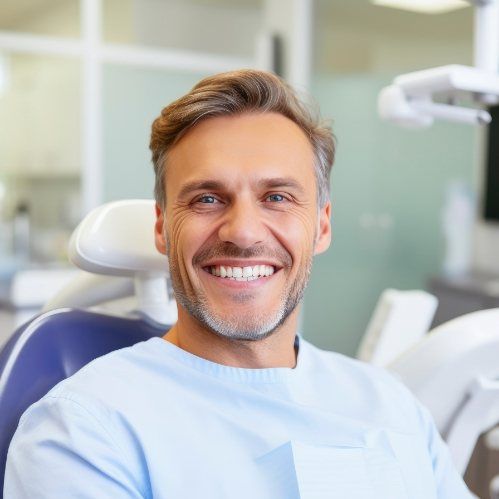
<point x="409" y="100"/>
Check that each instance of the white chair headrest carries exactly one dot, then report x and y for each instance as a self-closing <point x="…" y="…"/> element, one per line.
<point x="117" y="238"/>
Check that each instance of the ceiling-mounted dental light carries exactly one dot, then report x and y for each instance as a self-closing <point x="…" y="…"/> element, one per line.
<point x="423" y="6"/>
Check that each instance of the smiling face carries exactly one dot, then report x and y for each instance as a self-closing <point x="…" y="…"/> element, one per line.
<point x="242" y="224"/>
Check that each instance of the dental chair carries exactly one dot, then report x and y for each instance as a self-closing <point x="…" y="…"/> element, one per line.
<point x="123" y="296"/>
<point x="453" y="369"/>
<point x="454" y="372"/>
<point x="130" y="304"/>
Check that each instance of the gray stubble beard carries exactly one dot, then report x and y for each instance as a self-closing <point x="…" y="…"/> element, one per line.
<point x="234" y="328"/>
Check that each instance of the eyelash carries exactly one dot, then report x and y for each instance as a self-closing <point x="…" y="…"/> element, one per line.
<point x="206" y="196"/>
<point x="203" y="199"/>
<point x="281" y="196"/>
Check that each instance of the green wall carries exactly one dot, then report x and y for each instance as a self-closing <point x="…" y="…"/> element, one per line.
<point x="382" y="170"/>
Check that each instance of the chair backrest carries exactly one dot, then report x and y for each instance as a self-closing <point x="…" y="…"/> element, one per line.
<point x="400" y="320"/>
<point x="52" y="347"/>
<point x="453" y="371"/>
<point x="117" y="240"/>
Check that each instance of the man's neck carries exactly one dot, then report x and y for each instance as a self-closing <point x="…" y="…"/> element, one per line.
<point x="276" y="350"/>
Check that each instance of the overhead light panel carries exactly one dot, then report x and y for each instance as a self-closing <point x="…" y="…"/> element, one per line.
<point x="423" y="6"/>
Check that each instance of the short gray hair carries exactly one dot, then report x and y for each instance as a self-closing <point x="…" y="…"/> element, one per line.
<point x="235" y="93"/>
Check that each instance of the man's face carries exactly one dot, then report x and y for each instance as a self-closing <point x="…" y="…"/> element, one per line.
<point x="242" y="223"/>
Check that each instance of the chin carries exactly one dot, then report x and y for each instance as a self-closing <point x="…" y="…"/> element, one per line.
<point x="243" y="330"/>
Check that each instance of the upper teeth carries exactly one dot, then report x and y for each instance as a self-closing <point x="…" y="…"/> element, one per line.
<point x="242" y="273"/>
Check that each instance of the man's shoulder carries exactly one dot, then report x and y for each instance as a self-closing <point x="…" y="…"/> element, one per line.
<point x="132" y="357"/>
<point x="109" y="377"/>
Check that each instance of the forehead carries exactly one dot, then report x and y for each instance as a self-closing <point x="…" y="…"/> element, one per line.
<point x="250" y="145"/>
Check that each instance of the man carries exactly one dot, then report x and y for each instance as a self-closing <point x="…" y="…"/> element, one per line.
<point x="231" y="403"/>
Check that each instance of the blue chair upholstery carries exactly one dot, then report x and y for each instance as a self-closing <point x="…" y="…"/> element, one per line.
<point x="52" y="347"/>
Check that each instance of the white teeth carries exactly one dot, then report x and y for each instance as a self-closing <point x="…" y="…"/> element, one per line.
<point x="242" y="273"/>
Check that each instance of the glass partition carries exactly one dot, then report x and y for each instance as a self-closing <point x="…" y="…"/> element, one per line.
<point x="215" y="26"/>
<point x="41" y="17"/>
<point x="39" y="154"/>
<point x="132" y="99"/>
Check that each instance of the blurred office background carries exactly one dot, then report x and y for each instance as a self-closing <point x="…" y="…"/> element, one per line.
<point x="81" y="82"/>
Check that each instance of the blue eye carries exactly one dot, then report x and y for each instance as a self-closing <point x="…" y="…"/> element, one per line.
<point x="207" y="199"/>
<point x="276" y="198"/>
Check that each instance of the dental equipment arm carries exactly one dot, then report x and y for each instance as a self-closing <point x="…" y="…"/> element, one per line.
<point x="409" y="100"/>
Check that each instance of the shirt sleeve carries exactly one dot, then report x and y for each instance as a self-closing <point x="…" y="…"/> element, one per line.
<point x="61" y="449"/>
<point x="449" y="483"/>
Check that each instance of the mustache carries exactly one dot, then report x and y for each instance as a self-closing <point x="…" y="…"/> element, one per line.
<point x="230" y="250"/>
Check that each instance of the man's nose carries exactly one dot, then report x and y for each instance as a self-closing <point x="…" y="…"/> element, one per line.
<point x="243" y="225"/>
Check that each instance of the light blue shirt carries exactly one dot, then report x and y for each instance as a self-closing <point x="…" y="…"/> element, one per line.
<point x="153" y="421"/>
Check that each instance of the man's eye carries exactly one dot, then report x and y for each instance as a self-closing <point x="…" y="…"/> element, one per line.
<point x="276" y="198"/>
<point x="207" y="199"/>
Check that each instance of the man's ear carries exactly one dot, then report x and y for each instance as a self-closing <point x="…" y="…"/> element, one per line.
<point x="159" y="232"/>
<point x="323" y="239"/>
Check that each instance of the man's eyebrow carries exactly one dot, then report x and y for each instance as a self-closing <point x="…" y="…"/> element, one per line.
<point x="280" y="183"/>
<point x="217" y="186"/>
<point x="200" y="185"/>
